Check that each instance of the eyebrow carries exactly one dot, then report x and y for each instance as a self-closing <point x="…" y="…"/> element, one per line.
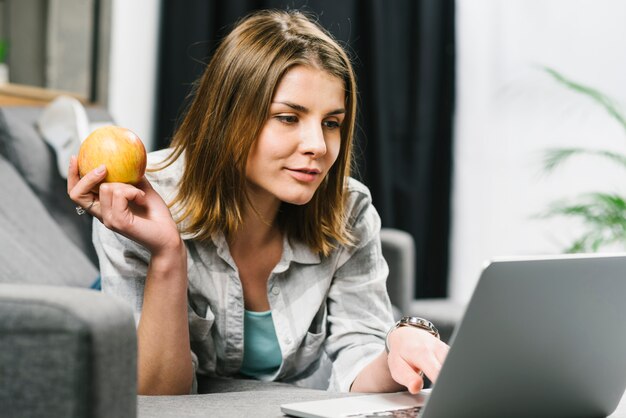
<point x="303" y="109"/>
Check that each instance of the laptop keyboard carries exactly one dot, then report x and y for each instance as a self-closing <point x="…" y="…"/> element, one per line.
<point x="400" y="413"/>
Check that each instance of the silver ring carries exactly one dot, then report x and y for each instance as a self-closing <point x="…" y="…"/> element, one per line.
<point x="80" y="210"/>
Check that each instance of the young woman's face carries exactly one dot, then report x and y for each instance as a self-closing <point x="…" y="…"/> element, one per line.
<point x="301" y="139"/>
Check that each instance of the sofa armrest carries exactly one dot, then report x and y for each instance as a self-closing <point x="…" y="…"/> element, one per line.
<point x="399" y="251"/>
<point x="66" y="351"/>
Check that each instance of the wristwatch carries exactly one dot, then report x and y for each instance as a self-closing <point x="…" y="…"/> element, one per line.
<point x="412" y="321"/>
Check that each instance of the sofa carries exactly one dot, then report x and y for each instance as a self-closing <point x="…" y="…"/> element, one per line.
<point x="67" y="350"/>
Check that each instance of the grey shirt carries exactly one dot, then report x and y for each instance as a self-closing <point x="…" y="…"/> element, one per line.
<point x="324" y="308"/>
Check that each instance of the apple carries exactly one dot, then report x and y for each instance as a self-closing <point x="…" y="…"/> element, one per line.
<point x="119" y="149"/>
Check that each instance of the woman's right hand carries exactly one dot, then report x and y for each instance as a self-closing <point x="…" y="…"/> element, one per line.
<point x="415" y="352"/>
<point x="135" y="211"/>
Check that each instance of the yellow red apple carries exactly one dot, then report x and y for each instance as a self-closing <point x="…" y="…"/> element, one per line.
<point x="119" y="149"/>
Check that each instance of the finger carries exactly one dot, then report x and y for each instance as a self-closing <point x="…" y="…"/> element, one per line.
<point x="82" y="191"/>
<point x="441" y="351"/>
<point x="105" y="195"/>
<point x="405" y="374"/>
<point x="72" y="174"/>
<point x="147" y="192"/>
<point x="144" y="184"/>
<point x="430" y="365"/>
<point x="421" y="350"/>
<point x="120" y="196"/>
<point x="93" y="178"/>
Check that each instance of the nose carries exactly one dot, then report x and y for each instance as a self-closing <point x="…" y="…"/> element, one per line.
<point x="312" y="141"/>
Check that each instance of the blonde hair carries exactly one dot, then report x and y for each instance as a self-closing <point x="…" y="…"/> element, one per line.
<point x="229" y="109"/>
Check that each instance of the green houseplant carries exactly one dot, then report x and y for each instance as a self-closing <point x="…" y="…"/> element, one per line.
<point x="603" y="215"/>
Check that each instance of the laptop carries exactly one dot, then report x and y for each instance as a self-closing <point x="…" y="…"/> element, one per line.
<point x="541" y="337"/>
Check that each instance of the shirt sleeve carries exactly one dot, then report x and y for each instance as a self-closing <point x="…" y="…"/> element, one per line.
<point x="123" y="270"/>
<point x="123" y="266"/>
<point x="359" y="310"/>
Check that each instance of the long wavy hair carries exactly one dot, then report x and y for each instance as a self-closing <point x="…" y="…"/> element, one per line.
<point x="230" y="106"/>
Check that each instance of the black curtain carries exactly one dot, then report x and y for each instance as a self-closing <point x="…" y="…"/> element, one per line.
<point x="403" y="52"/>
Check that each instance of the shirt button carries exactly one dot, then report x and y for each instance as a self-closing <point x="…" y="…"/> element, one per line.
<point x="275" y="290"/>
<point x="287" y="340"/>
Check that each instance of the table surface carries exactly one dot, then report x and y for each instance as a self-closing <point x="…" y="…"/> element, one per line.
<point x="253" y="399"/>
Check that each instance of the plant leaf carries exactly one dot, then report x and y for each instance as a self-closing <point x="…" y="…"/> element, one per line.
<point x="579" y="246"/>
<point x="602" y="214"/>
<point x="554" y="157"/>
<point x="593" y="94"/>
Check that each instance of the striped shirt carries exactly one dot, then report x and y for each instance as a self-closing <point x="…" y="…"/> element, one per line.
<point x="330" y="313"/>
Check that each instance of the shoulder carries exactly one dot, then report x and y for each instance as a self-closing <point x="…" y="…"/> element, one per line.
<point x="357" y="189"/>
<point x="358" y="197"/>
<point x="157" y="171"/>
<point x="164" y="179"/>
<point x="362" y="217"/>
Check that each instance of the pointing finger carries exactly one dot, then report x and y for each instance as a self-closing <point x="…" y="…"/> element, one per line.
<point x="403" y="373"/>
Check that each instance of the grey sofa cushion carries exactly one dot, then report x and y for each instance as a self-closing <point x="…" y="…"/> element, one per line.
<point x="33" y="248"/>
<point x="398" y="250"/>
<point x="24" y="147"/>
<point x="66" y="352"/>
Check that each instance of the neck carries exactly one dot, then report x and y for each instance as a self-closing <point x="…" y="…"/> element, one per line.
<point x="259" y="225"/>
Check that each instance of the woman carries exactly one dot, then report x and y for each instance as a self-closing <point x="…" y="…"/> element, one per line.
<point x="248" y="250"/>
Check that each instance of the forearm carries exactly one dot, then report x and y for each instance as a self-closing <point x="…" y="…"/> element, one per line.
<point x="376" y="377"/>
<point x="164" y="356"/>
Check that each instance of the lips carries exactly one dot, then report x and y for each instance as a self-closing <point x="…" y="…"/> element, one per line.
<point x="304" y="174"/>
<point x="306" y="170"/>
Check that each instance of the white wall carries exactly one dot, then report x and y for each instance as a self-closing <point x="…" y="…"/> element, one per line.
<point x="508" y="111"/>
<point x="133" y="66"/>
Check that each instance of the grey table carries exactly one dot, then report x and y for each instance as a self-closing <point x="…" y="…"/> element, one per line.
<point x="230" y="398"/>
<point x="249" y="399"/>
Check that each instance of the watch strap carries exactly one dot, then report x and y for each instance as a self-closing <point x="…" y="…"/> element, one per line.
<point x="412" y="321"/>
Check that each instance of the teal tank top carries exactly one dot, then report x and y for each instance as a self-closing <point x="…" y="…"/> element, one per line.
<point x="261" y="351"/>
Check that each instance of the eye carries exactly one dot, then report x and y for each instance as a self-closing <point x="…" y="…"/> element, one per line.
<point x="287" y="119"/>
<point x="331" y="124"/>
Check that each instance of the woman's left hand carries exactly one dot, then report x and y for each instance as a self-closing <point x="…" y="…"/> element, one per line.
<point x="411" y="352"/>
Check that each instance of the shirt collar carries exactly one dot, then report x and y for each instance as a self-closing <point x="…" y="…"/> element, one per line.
<point x="297" y="252"/>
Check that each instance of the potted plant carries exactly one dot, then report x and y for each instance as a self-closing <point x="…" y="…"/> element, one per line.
<point x="603" y="215"/>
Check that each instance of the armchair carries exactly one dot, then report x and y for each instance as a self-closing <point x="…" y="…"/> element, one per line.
<point x="65" y="350"/>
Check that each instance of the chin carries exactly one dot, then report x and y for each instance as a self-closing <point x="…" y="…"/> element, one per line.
<point x="297" y="200"/>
